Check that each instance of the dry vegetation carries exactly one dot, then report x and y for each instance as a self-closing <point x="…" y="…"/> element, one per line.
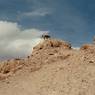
<point x="87" y="47"/>
<point x="53" y="43"/>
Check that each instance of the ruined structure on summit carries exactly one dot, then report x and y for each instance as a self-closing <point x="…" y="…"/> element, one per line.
<point x="46" y="36"/>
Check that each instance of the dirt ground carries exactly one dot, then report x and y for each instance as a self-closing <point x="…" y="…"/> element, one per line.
<point x="51" y="70"/>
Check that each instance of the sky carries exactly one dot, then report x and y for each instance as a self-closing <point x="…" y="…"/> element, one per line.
<point x="22" y="22"/>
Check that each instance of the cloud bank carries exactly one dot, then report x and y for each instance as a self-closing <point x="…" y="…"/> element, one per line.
<point x="37" y="12"/>
<point x="15" y="42"/>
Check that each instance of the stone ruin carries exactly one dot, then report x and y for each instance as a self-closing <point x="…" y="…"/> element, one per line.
<point x="45" y="36"/>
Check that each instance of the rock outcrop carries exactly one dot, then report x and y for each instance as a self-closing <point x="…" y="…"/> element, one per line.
<point x="52" y="43"/>
<point x="50" y="46"/>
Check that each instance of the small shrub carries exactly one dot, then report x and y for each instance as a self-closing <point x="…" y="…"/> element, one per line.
<point x="84" y="47"/>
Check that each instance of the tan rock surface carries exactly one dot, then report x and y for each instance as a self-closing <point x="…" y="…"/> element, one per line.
<point x="50" y="70"/>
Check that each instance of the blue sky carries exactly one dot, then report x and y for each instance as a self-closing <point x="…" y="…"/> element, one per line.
<point x="71" y="20"/>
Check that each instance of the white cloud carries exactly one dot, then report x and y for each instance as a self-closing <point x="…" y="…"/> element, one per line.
<point x="37" y="12"/>
<point x="16" y="42"/>
<point x="76" y="48"/>
<point x="8" y="28"/>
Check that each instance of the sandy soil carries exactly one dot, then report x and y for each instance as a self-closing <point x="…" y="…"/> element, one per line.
<point x="52" y="71"/>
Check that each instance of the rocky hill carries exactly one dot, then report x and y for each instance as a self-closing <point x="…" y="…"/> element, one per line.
<point x="53" y="68"/>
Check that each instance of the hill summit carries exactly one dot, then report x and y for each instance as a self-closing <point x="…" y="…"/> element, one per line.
<point x="53" y="68"/>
